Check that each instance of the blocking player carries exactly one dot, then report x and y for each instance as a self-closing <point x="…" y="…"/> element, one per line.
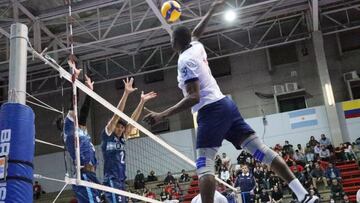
<point x="113" y="138"/>
<point x="218" y="117"/>
<point x="88" y="160"/>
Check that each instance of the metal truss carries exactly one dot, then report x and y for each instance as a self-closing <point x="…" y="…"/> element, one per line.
<point x="116" y="39"/>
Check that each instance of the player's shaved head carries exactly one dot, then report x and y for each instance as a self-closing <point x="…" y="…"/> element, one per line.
<point x="181" y="37"/>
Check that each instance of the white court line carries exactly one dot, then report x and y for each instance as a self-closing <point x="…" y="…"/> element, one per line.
<point x="63" y="73"/>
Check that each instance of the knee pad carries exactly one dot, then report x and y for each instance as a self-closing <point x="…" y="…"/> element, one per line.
<point x="259" y="150"/>
<point x="205" y="164"/>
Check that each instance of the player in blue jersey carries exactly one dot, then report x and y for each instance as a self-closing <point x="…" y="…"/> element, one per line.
<point x="113" y="138"/>
<point x="218" y="117"/>
<point x="88" y="160"/>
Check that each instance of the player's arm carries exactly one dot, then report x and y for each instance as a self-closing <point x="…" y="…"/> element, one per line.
<point x="200" y="28"/>
<point x="121" y="105"/>
<point x="192" y="98"/>
<point x="136" y="114"/>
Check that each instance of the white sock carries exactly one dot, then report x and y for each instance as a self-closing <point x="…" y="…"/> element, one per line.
<point x="298" y="189"/>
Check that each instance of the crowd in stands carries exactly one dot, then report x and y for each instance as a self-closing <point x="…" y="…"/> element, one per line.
<point x="313" y="165"/>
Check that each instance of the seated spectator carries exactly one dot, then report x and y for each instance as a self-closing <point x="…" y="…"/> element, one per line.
<point x="299" y="176"/>
<point x="164" y="195"/>
<point x="317" y="150"/>
<point x="339" y="153"/>
<point x="324" y="154"/>
<point x="332" y="172"/>
<point x="225" y="175"/>
<point x="169" y="187"/>
<point x="264" y="196"/>
<point x="288" y="159"/>
<point x="36" y="190"/>
<point x="184" y="177"/>
<point x="241" y="159"/>
<point x="337" y="192"/>
<point x="300" y="148"/>
<point x="217" y="164"/>
<point x="324" y="141"/>
<point x="318" y="175"/>
<point x="139" y="182"/>
<point x="288" y="148"/>
<point x="345" y="199"/>
<point x="169" y="178"/>
<point x="309" y="153"/>
<point x="274" y="181"/>
<point x="225" y="161"/>
<point x="307" y="176"/>
<point x="299" y="157"/>
<point x="151" y="177"/>
<point x="246" y="182"/>
<point x="149" y="194"/>
<point x="297" y="166"/>
<point x="313" y="142"/>
<point x="276" y="195"/>
<point x="278" y="149"/>
<point x="255" y="193"/>
<point x="259" y="175"/>
<point x="314" y="191"/>
<point x="349" y="153"/>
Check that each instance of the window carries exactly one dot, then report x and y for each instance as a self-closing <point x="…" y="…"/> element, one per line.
<point x="154" y="76"/>
<point x="350" y="40"/>
<point x="220" y="67"/>
<point x="292" y="104"/>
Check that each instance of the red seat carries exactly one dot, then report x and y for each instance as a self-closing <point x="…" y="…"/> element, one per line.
<point x="351" y="182"/>
<point x="194" y="183"/>
<point x="348" y="166"/>
<point x="344" y="163"/>
<point x="352" y="198"/>
<point x="350" y="174"/>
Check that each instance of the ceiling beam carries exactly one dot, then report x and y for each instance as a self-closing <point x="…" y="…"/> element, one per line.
<point x="162" y="20"/>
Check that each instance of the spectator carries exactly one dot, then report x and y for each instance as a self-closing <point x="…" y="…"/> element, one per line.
<point x="241" y="159"/>
<point x="346" y="199"/>
<point x="139" y="182"/>
<point x="276" y="195"/>
<point x="288" y="148"/>
<point x="37" y="190"/>
<point x="217" y="163"/>
<point x="324" y="154"/>
<point x="225" y="161"/>
<point x="299" y="176"/>
<point x="300" y="148"/>
<point x="278" y="149"/>
<point x="184" y="177"/>
<point x="349" y="153"/>
<point x="164" y="195"/>
<point x="264" y="196"/>
<point x="324" y="141"/>
<point x="225" y="175"/>
<point x="332" y="173"/>
<point x="317" y="150"/>
<point x="339" y="153"/>
<point x="149" y="194"/>
<point x="313" y="142"/>
<point x="151" y="177"/>
<point x="255" y="193"/>
<point x="169" y="187"/>
<point x="314" y="191"/>
<point x="299" y="157"/>
<point x="169" y="178"/>
<point x="288" y="159"/>
<point x="260" y="176"/>
<point x="297" y="166"/>
<point x="309" y="153"/>
<point x="246" y="182"/>
<point x="318" y="175"/>
<point x="274" y="181"/>
<point x="337" y="192"/>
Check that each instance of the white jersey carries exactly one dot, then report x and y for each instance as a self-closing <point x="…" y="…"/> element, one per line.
<point x="193" y="66"/>
<point x="218" y="198"/>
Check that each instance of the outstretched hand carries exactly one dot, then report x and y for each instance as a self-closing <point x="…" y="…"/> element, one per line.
<point x="152" y="117"/>
<point x="148" y="96"/>
<point x="129" y="85"/>
<point x="72" y="65"/>
<point x="89" y="83"/>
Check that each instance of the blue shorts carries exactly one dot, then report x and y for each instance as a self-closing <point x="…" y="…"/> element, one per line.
<point x="117" y="184"/>
<point x="86" y="194"/>
<point x="218" y="121"/>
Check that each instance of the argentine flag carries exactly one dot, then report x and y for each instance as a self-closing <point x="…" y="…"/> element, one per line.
<point x="303" y="118"/>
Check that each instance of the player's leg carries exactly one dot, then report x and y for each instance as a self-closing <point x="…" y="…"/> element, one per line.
<point x="92" y="194"/>
<point x="213" y="123"/>
<point x="242" y="136"/>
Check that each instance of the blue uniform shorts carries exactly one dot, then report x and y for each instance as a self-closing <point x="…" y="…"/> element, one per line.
<point x="86" y="194"/>
<point x="218" y="121"/>
<point x="117" y="184"/>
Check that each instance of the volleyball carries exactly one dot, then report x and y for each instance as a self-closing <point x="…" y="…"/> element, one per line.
<point x="171" y="11"/>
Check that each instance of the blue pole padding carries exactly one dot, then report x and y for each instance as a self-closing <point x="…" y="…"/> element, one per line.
<point x="17" y="143"/>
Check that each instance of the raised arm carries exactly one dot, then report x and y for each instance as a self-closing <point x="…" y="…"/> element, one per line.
<point x="200" y="28"/>
<point x="136" y="114"/>
<point x="121" y="105"/>
<point x="192" y="97"/>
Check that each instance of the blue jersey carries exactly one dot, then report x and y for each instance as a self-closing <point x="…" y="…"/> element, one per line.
<point x="87" y="150"/>
<point x="113" y="150"/>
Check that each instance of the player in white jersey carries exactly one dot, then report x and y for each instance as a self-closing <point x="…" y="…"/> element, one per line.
<point x="218" y="117"/>
<point x="218" y="198"/>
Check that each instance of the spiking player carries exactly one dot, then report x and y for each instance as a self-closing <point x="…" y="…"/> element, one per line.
<point x="88" y="160"/>
<point x="113" y="138"/>
<point x="218" y="117"/>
